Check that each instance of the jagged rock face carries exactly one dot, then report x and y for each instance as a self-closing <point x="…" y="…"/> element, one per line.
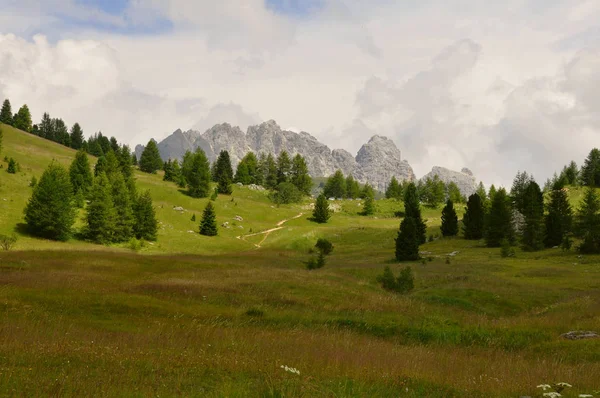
<point x="379" y="160"/>
<point x="343" y="160"/>
<point x="464" y="179"/>
<point x="224" y="137"/>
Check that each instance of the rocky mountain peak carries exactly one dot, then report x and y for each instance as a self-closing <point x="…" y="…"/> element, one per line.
<point x="464" y="179"/>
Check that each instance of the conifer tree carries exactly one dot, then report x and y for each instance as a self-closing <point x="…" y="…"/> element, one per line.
<point x="394" y="190"/>
<point x="352" y="187"/>
<point x="146" y="226"/>
<point x="76" y="136"/>
<point x="242" y="175"/>
<point x="407" y="242"/>
<point x="499" y="221"/>
<point x="321" y="213"/>
<point x="6" y="115"/>
<point x="134" y="160"/>
<point x="114" y="145"/>
<point x="95" y="149"/>
<point x="559" y="220"/>
<point x="12" y="166"/>
<point x="367" y="191"/>
<point x="434" y="191"/>
<point x="1" y="138"/>
<point x="517" y="191"/>
<point x="22" y="120"/>
<point x="100" y="167"/>
<point x="492" y="192"/>
<point x="224" y="173"/>
<point x="150" y="161"/>
<point x="80" y="174"/>
<point x="101" y="213"/>
<point x="124" y="221"/>
<point x="261" y="169"/>
<point x="335" y="187"/>
<point x="368" y="206"/>
<point x="449" y="220"/>
<point x="124" y="158"/>
<point x="533" y="211"/>
<point x="284" y="167"/>
<point x="474" y="218"/>
<point x="412" y="209"/>
<point x="453" y="193"/>
<point x="50" y="212"/>
<point x="112" y="166"/>
<point x="299" y="175"/>
<point x="588" y="225"/>
<point x="590" y="171"/>
<point x="198" y="175"/>
<point x="271" y="172"/>
<point x="46" y="127"/>
<point x="208" y="224"/>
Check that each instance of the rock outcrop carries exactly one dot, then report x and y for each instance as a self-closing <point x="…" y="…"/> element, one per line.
<point x="464" y="179"/>
<point x="376" y="162"/>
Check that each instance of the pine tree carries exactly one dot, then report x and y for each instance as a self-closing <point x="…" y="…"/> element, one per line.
<point x="284" y="167"/>
<point x="271" y="172"/>
<point x="499" y="221"/>
<point x="454" y="193"/>
<point x="146" y="226"/>
<point x="482" y="194"/>
<point x="412" y="209"/>
<point x="321" y="213"/>
<point x="134" y="160"/>
<point x="588" y="225"/>
<point x="367" y="191"/>
<point x="150" y="161"/>
<point x="112" y="166"/>
<point x="22" y="119"/>
<point x="299" y="175"/>
<point x="46" y="127"/>
<point x="50" y="212"/>
<point x="208" y="224"/>
<point x="368" y="206"/>
<point x="224" y="173"/>
<point x="124" y="157"/>
<point x="474" y="218"/>
<point x="12" y="166"/>
<point x="114" y="145"/>
<point x="491" y="194"/>
<point x="101" y="213"/>
<point x="558" y="221"/>
<point x="517" y="191"/>
<point x="242" y="175"/>
<point x="76" y="136"/>
<point x="590" y="171"/>
<point x="6" y="115"/>
<point x="95" y="149"/>
<point x="124" y="221"/>
<point x="335" y="187"/>
<point x="449" y="220"/>
<point x="533" y="211"/>
<point x="100" y="166"/>
<point x="80" y="174"/>
<point x="261" y="169"/>
<point x="352" y="187"/>
<point x="61" y="132"/>
<point x="434" y="191"/>
<point x="394" y="190"/>
<point x="198" y="174"/>
<point x="407" y="242"/>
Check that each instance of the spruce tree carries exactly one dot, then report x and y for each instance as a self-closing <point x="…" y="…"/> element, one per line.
<point x="242" y="175"/>
<point x="453" y="193"/>
<point x="101" y="214"/>
<point x="449" y="220"/>
<point x="499" y="221"/>
<point x="146" y="226"/>
<point x="482" y="194"/>
<point x="335" y="187"/>
<point x="517" y="191"/>
<point x="588" y="222"/>
<point x="571" y="173"/>
<point x="368" y="206"/>
<point x="252" y="165"/>
<point x="124" y="221"/>
<point x="198" y="174"/>
<point x="80" y="174"/>
<point x="352" y="187"/>
<point x="261" y="169"/>
<point x="590" y="171"/>
<point x="208" y="224"/>
<point x="150" y="161"/>
<point x="284" y="167"/>
<point x="474" y="218"/>
<point x="76" y="136"/>
<point x="412" y="209"/>
<point x="114" y="145"/>
<point x="533" y="211"/>
<point x="22" y="120"/>
<point x="559" y="220"/>
<point x="224" y="173"/>
<point x="100" y="166"/>
<point x="367" y="191"/>
<point x="491" y="194"/>
<point x="46" y="127"/>
<point x="299" y="175"/>
<point x="407" y="242"/>
<point x="394" y="190"/>
<point x="50" y="212"/>
<point x="12" y="166"/>
<point x="271" y="172"/>
<point x="6" y="115"/>
<point x="124" y="158"/>
<point x="321" y="213"/>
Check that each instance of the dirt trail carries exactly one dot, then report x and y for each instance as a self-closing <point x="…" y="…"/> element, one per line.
<point x="268" y="231"/>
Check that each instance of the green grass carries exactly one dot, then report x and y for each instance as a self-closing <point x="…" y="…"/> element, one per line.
<point x="213" y="317"/>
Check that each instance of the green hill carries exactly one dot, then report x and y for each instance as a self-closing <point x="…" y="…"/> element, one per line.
<point x="212" y="317"/>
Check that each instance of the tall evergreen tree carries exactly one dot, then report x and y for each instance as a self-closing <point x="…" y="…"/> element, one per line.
<point x="571" y="173"/>
<point x="124" y="221"/>
<point x="113" y="166"/>
<point x="335" y="187"/>
<point x="453" y="193"/>
<point x="352" y="187"/>
<point x="252" y="165"/>
<point x="492" y="192"/>
<point x="590" y="171"/>
<point x="474" y="218"/>
<point x="46" y="127"/>
<point x="80" y="174"/>
<point x="114" y="144"/>
<point x="271" y="172"/>
<point x="208" y="224"/>
<point x="76" y="136"/>
<point x="588" y="222"/>
<point x="449" y="220"/>
<point x="124" y="157"/>
<point x="95" y="149"/>
<point x="483" y="197"/>
<point x="558" y="221"/>
<point x="61" y="132"/>
<point x="533" y="211"/>
<point x="407" y="242"/>
<point x="368" y="206"/>
<point x="299" y="175"/>
<point x="6" y="115"/>
<point x="412" y="209"/>
<point x="321" y="213"/>
<point x="50" y="212"/>
<point x="284" y="167"/>
<point x="367" y="191"/>
<point x="146" y="226"/>
<point x="101" y="212"/>
<point x="198" y="175"/>
<point x="22" y="120"/>
<point x="150" y="161"/>
<point x="242" y="175"/>
<point x="499" y="221"/>
<point x="100" y="166"/>
<point x="517" y="192"/>
<point x="224" y="173"/>
<point x="261" y="170"/>
<point x="394" y="190"/>
<point x="434" y="191"/>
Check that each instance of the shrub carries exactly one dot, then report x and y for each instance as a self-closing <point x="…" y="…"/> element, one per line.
<point x="12" y="166"/>
<point x="506" y="250"/>
<point x="316" y="263"/>
<point x="7" y="242"/>
<point x="324" y="246"/>
<point x="403" y="284"/>
<point x="215" y="195"/>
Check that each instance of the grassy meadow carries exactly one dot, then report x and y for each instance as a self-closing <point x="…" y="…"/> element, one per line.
<point x="219" y="317"/>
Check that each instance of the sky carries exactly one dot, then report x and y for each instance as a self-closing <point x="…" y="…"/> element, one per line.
<point x="497" y="87"/>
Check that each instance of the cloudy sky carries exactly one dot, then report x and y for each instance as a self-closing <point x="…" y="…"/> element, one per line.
<point x="493" y="86"/>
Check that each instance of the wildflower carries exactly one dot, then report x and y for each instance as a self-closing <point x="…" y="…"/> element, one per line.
<point x="544" y="386"/>
<point x="563" y="385"/>
<point x="552" y="394"/>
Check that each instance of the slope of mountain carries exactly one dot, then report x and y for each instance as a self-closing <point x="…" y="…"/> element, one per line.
<point x="464" y="179"/>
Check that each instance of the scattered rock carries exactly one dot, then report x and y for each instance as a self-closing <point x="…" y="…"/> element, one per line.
<point x="225" y="224"/>
<point x="178" y="208"/>
<point x="454" y="253"/>
<point x="191" y="232"/>
<point x="238" y="218"/>
<point x="580" y="335"/>
<point x="255" y="187"/>
<point x="239" y="184"/>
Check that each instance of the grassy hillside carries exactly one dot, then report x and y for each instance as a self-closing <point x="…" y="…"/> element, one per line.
<point x="213" y="317"/>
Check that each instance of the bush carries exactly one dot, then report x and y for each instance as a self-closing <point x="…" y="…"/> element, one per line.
<point x="324" y="246"/>
<point x="215" y="195"/>
<point x="403" y="284"/>
<point x="286" y="193"/>
<point x="506" y="250"/>
<point x="12" y="166"/>
<point x="316" y="263"/>
<point x="7" y="242"/>
<point x="135" y="244"/>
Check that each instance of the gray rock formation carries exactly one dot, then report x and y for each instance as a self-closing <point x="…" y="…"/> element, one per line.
<point x="376" y="162"/>
<point x="464" y="178"/>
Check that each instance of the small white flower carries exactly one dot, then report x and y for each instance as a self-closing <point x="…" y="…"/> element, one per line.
<point x="564" y="385"/>
<point x="552" y="394"/>
<point x="544" y="386"/>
